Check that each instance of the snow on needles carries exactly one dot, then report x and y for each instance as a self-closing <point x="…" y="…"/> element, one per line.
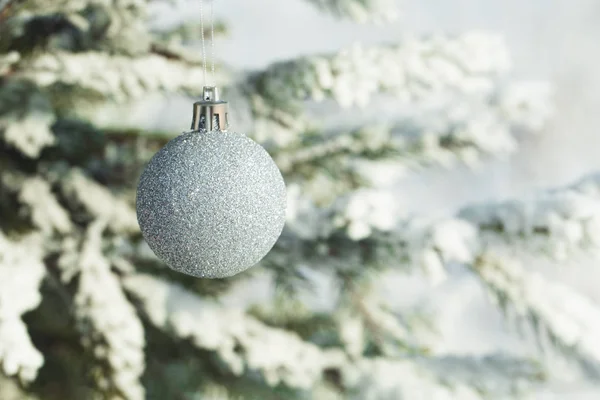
<point x="378" y="11"/>
<point x="21" y="273"/>
<point x="108" y="321"/>
<point x="242" y="342"/>
<point x="469" y="63"/>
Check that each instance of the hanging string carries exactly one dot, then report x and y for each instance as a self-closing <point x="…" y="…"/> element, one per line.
<point x="202" y="36"/>
<point x="212" y="40"/>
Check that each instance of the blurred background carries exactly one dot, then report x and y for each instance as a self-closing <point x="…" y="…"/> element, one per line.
<point x="443" y="215"/>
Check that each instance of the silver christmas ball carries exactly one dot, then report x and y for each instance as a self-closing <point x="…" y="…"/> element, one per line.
<point x="211" y="204"/>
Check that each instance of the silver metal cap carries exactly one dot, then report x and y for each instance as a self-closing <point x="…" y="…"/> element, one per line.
<point x="210" y="113"/>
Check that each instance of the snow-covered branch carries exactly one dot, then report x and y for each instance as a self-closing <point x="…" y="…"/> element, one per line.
<point x="98" y="201"/>
<point x="189" y="31"/>
<point x="77" y="25"/>
<point x="9" y="388"/>
<point x="244" y="344"/>
<point x="496" y="377"/>
<point x="69" y="6"/>
<point x="21" y="273"/>
<point x="241" y="342"/>
<point x="570" y="320"/>
<point x="118" y="78"/>
<point x="46" y="212"/>
<point x="565" y="218"/>
<point x="557" y="221"/>
<point x="553" y="308"/>
<point x="109" y="324"/>
<point x="495" y="374"/>
<point x="417" y="70"/>
<point x="360" y="10"/>
<point x="363" y="318"/>
<point x="25" y="118"/>
<point x="8" y="60"/>
<point x="465" y="131"/>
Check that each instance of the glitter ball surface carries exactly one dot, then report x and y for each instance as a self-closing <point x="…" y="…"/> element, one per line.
<point x="211" y="204"/>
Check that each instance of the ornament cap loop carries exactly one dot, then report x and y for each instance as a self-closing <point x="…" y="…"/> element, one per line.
<point x="210" y="113"/>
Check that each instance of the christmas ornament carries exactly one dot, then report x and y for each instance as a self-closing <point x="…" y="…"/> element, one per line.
<point x="211" y="203"/>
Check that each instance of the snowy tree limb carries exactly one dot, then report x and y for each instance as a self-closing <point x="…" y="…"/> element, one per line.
<point x="46" y="213"/>
<point x="26" y="116"/>
<point x="558" y="221"/>
<point x="117" y="26"/>
<point x="21" y="273"/>
<point x="568" y="216"/>
<point x="98" y="201"/>
<point x="363" y="317"/>
<point x="10" y="390"/>
<point x="117" y="78"/>
<point x="66" y="6"/>
<point x="241" y="342"/>
<point x="462" y="132"/>
<point x="495" y="374"/>
<point x="417" y="70"/>
<point x="441" y="378"/>
<point x="360" y="10"/>
<point x="569" y="319"/>
<point x="189" y="31"/>
<point x="109" y="324"/>
<point x="8" y="60"/>
<point x="212" y="327"/>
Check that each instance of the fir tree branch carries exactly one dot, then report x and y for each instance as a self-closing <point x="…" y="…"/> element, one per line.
<point x="10" y="390"/>
<point x="461" y="132"/>
<point x="189" y="31"/>
<point x="414" y="69"/>
<point x="417" y="70"/>
<point x="21" y="273"/>
<point x="558" y="222"/>
<point x="97" y="202"/>
<point x="554" y="310"/>
<point x="110" y="328"/>
<point x="494" y="374"/>
<point x="241" y="342"/>
<point x="46" y="213"/>
<point x="116" y="78"/>
<point x="362" y="317"/>
<point x="7" y="61"/>
<point x="440" y="378"/>
<point x="360" y="10"/>
<point x="80" y="25"/>
<point x="26" y="116"/>
<point x="432" y="245"/>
